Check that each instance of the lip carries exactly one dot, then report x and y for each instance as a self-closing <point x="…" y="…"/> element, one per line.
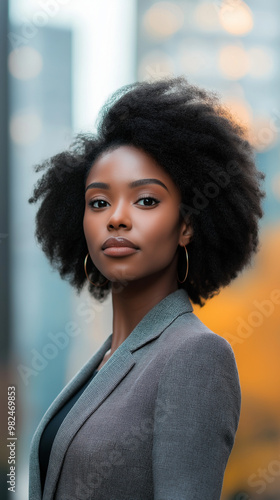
<point x="119" y="251"/>
<point x="118" y="242"/>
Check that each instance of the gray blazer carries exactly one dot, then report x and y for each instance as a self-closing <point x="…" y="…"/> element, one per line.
<point x="157" y="422"/>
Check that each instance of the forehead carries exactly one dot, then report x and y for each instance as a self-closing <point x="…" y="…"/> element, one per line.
<point x="127" y="163"/>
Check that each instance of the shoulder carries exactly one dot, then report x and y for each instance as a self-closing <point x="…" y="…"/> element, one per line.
<point x="188" y="337"/>
<point x="198" y="356"/>
<point x="200" y="380"/>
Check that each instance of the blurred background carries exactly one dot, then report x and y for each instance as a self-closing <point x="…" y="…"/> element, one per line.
<point x="60" y="60"/>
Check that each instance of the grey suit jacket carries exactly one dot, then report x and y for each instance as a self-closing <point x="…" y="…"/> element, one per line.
<point x="157" y="422"/>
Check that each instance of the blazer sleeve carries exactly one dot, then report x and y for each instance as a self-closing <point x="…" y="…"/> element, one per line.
<point x="196" y="417"/>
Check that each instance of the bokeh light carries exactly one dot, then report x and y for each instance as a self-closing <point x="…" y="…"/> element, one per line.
<point x="236" y="17"/>
<point x="241" y="111"/>
<point x="234" y="62"/>
<point x="263" y="135"/>
<point x="25" y="63"/>
<point x="163" y="19"/>
<point x="25" y="128"/>
<point x="206" y="18"/>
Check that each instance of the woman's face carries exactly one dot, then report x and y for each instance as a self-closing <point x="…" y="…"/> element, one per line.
<point x="146" y="213"/>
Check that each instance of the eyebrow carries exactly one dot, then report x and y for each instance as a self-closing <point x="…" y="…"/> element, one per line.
<point x="139" y="182"/>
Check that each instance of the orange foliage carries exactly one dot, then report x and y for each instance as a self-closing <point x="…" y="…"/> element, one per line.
<point x="247" y="314"/>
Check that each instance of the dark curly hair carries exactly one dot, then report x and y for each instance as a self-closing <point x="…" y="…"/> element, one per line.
<point x="194" y="138"/>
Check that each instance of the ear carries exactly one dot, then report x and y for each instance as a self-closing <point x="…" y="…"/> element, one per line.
<point x="186" y="233"/>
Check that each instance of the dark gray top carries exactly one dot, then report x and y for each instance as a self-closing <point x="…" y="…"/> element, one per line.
<point x="51" y="429"/>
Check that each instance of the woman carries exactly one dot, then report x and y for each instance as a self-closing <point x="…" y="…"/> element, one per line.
<point x="160" y="206"/>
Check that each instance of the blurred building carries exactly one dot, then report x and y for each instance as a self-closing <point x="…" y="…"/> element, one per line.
<point x="39" y="125"/>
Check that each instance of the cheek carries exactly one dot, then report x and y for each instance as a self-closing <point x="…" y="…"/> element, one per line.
<point x="162" y="232"/>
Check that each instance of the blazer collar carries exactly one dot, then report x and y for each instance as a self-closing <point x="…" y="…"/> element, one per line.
<point x="116" y="368"/>
<point x="158" y="319"/>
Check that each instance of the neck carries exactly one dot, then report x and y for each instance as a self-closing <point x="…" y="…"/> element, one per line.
<point x="132" y="301"/>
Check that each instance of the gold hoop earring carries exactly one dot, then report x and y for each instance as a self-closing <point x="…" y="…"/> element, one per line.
<point x="85" y="268"/>
<point x="187" y="270"/>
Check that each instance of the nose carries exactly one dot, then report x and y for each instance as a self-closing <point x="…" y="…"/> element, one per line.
<point x="119" y="216"/>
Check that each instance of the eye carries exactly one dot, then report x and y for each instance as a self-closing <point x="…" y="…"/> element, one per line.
<point x="149" y="198"/>
<point x="99" y="200"/>
<point x="102" y="203"/>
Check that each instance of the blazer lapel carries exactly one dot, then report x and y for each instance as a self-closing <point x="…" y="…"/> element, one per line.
<point x="70" y="389"/>
<point x="112" y="372"/>
<point x="95" y="393"/>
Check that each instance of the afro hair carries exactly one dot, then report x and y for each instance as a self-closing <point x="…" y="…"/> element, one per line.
<point x="195" y="139"/>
